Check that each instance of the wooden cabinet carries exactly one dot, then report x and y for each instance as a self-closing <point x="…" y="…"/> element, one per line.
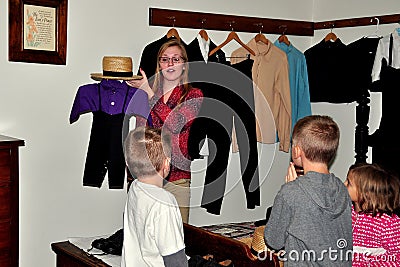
<point x="68" y="255"/>
<point x="9" y="187"/>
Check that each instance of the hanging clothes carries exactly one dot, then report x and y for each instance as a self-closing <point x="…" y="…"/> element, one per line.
<point x="384" y="139"/>
<point x="270" y="73"/>
<point x="203" y="45"/>
<point x="298" y="80"/>
<point x="197" y="51"/>
<point x="112" y="103"/>
<point x="364" y="53"/>
<point x="228" y="96"/>
<point x="331" y="72"/>
<point x="383" y="51"/>
<point x="198" y="76"/>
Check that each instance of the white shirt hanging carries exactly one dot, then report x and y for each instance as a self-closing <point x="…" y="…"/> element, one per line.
<point x="204" y="47"/>
<point x="382" y="51"/>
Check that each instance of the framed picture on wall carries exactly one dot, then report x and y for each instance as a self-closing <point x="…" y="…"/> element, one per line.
<point x="38" y="31"/>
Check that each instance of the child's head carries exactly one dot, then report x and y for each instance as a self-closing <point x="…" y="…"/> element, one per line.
<point x="148" y="152"/>
<point x="373" y="189"/>
<point x="318" y="137"/>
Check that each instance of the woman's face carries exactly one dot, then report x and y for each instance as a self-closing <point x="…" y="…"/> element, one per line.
<point x="171" y="63"/>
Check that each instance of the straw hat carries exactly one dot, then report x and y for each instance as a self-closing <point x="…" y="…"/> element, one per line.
<point x="257" y="243"/>
<point x="116" y="68"/>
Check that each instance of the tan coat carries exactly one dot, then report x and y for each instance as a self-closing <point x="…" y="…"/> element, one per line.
<point x="271" y="77"/>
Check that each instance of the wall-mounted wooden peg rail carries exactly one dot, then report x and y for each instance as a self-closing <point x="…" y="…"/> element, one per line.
<point x="356" y="22"/>
<point x="223" y="22"/>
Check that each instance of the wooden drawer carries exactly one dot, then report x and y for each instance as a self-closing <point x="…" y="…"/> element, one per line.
<point x="5" y="257"/>
<point x="5" y="235"/>
<point x="5" y="174"/>
<point x="5" y="157"/>
<point x="5" y="165"/>
<point x="5" y="205"/>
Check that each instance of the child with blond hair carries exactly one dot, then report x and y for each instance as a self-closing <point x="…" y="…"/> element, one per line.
<point x="153" y="227"/>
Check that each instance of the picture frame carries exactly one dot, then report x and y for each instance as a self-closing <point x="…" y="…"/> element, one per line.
<point x="38" y="31"/>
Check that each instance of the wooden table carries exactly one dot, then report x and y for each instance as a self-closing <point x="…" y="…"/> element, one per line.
<point x="69" y="255"/>
<point x="198" y="242"/>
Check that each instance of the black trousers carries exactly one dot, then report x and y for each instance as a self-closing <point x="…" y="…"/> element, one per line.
<point x="105" y="151"/>
<point x="225" y="101"/>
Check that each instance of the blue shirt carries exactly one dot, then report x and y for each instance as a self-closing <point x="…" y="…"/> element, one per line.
<point x="298" y="80"/>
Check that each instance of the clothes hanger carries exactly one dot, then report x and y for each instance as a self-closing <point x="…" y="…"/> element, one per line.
<point x="283" y="38"/>
<point x="173" y="32"/>
<point x="232" y="36"/>
<point x="203" y="32"/>
<point x="260" y="37"/>
<point x="375" y="34"/>
<point x="331" y="36"/>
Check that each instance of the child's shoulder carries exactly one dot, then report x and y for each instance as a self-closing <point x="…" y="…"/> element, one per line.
<point x="156" y="194"/>
<point x="166" y="197"/>
<point x="391" y="218"/>
<point x="291" y="188"/>
<point x="382" y="219"/>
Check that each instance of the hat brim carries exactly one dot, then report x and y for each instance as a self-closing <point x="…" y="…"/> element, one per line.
<point x="100" y="76"/>
<point x="246" y="240"/>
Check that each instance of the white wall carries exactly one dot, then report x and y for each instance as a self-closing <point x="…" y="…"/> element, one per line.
<point x="36" y="99"/>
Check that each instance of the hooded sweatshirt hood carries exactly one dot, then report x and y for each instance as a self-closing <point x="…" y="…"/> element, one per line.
<point x="326" y="191"/>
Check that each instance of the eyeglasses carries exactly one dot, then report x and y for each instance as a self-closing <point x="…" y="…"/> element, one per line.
<point x="174" y="60"/>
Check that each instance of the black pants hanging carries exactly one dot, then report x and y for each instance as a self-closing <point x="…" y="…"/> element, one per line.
<point x="228" y="96"/>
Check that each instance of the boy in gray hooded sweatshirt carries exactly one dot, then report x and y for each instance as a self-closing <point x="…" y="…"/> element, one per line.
<point x="311" y="216"/>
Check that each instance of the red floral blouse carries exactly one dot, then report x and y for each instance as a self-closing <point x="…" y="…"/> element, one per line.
<point x="177" y="119"/>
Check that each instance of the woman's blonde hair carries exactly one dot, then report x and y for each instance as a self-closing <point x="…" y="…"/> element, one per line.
<point x="378" y="190"/>
<point x="157" y="85"/>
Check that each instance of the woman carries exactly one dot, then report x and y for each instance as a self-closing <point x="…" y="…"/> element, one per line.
<point x="174" y="104"/>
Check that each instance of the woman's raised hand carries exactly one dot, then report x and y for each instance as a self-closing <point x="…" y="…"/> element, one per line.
<point x="142" y="84"/>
